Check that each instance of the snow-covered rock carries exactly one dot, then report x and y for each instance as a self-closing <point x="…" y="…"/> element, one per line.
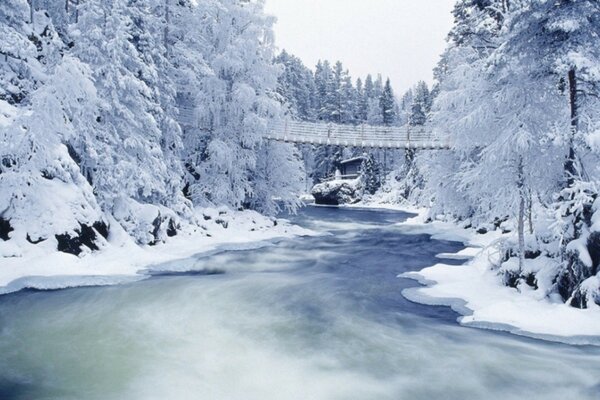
<point x="338" y="192"/>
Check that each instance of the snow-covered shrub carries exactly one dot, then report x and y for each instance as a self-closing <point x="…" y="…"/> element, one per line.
<point x="146" y="223"/>
<point x="576" y="214"/>
<point x="277" y="181"/>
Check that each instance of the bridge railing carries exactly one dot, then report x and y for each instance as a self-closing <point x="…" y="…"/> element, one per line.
<point x="354" y="135"/>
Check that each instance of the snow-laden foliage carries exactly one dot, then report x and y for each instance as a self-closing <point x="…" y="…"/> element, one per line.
<point x="238" y="102"/>
<point x="100" y="107"/>
<point x="517" y="97"/>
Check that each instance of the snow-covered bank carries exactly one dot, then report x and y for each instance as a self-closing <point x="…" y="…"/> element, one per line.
<point x="476" y="291"/>
<point x="122" y="260"/>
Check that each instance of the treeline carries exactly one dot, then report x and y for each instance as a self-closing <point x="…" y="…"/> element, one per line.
<point x="330" y="94"/>
<point x="518" y="96"/>
<point x="132" y="113"/>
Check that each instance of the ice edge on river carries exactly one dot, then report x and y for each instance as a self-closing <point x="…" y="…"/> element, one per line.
<point x="475" y="291"/>
<point x="123" y="261"/>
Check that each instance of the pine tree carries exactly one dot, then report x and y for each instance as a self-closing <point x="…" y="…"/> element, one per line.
<point x="348" y="100"/>
<point x="370" y="174"/>
<point x="297" y="86"/>
<point x="361" y="102"/>
<point x="387" y="102"/>
<point x="326" y="93"/>
<point x="421" y="104"/>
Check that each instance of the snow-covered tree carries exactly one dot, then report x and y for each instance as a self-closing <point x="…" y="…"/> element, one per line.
<point x="277" y="179"/>
<point x="18" y="52"/>
<point x="420" y="104"/>
<point x="297" y="86"/>
<point x="559" y="39"/>
<point x="387" y="103"/>
<point x="370" y="174"/>
<point x="121" y="143"/>
<point x="238" y="103"/>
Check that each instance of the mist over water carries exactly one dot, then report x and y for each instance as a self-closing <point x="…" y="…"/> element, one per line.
<point x="310" y="318"/>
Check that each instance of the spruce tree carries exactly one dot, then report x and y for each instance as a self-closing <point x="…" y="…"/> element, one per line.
<point x="421" y="104"/>
<point x="387" y="102"/>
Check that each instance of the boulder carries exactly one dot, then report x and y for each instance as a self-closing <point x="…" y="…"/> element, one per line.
<point x="338" y="192"/>
<point x="85" y="235"/>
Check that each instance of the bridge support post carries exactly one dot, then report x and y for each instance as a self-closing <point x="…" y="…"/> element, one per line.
<point x="409" y="155"/>
<point x="384" y="165"/>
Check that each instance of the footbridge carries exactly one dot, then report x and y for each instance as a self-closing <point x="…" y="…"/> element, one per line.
<point x="360" y="136"/>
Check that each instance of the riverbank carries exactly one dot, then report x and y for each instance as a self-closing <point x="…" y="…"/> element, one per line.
<point x="324" y="310"/>
<point x="475" y="290"/>
<point x="122" y="260"/>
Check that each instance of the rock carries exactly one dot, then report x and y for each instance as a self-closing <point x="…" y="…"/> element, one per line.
<point x="102" y="228"/>
<point x="160" y="226"/>
<point x="35" y="241"/>
<point x="338" y="192"/>
<point x="172" y="228"/>
<point x="222" y="222"/>
<point x="84" y="236"/>
<point x="594" y="250"/>
<point x="5" y="229"/>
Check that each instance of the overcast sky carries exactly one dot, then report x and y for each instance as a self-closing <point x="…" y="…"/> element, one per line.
<point x="401" y="39"/>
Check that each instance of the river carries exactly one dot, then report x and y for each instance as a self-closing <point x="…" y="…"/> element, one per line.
<point x="307" y="318"/>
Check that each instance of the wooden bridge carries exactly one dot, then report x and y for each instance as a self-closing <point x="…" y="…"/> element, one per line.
<point x="328" y="134"/>
<point x="361" y="136"/>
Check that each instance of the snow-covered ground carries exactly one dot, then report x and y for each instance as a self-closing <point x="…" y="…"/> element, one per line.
<point x="476" y="291"/>
<point x="121" y="260"/>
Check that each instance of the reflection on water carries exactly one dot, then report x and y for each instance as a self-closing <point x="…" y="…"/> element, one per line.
<point x="310" y="318"/>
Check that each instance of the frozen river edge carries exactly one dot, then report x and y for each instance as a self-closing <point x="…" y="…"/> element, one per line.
<point x="476" y="292"/>
<point x="123" y="261"/>
<point x="473" y="289"/>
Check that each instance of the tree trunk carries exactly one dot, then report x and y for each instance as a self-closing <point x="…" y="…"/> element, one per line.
<point x="384" y="165"/>
<point x="31" y="12"/>
<point x="167" y="23"/>
<point x="570" y="165"/>
<point x="521" y="221"/>
<point x="530" y="213"/>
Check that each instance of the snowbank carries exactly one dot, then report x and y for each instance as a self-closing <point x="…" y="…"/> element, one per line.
<point x="121" y="260"/>
<point x="476" y="291"/>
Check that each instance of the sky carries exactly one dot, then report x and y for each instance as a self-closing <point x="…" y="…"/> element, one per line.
<point x="401" y="39"/>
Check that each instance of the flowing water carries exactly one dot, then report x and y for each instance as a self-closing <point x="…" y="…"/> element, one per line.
<point x="307" y="319"/>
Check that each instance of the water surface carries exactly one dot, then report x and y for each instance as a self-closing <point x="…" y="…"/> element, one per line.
<point x="307" y="319"/>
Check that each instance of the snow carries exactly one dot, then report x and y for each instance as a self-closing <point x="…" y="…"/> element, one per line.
<point x="338" y="191"/>
<point x="122" y="260"/>
<point x="7" y="114"/>
<point x="476" y="291"/>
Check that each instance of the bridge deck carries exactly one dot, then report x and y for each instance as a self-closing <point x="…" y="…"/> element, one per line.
<point x="364" y="136"/>
<point x="360" y="136"/>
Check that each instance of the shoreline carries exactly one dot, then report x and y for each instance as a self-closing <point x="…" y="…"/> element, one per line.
<point x="473" y="289"/>
<point x="123" y="261"/>
<point x="476" y="292"/>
